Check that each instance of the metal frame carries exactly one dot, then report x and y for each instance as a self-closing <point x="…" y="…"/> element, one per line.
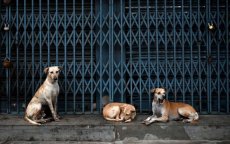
<point x="117" y="48"/>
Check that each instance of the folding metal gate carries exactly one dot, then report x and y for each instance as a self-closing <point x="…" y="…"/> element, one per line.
<point x="117" y="48"/>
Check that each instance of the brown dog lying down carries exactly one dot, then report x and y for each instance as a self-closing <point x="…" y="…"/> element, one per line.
<point x="164" y="110"/>
<point x="45" y="99"/>
<point x="116" y="111"/>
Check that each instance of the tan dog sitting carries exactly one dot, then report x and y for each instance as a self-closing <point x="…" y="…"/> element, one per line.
<point x="163" y="110"/>
<point x="45" y="97"/>
<point x="119" y="112"/>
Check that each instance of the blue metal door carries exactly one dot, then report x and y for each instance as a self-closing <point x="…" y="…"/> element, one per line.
<point x="121" y="49"/>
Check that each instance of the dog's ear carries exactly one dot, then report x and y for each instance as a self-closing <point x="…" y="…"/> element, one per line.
<point x="152" y="90"/>
<point x="46" y="70"/>
<point x="127" y="109"/>
<point x="60" y="68"/>
<point x="165" y="90"/>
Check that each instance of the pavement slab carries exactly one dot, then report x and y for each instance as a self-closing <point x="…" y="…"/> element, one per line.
<point x="95" y="129"/>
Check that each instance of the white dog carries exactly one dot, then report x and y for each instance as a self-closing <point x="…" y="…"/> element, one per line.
<point x="46" y="96"/>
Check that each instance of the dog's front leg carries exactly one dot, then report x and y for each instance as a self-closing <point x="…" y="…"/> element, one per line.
<point x="54" y="101"/>
<point x="155" y="119"/>
<point x="163" y="118"/>
<point x="55" y="107"/>
<point x="54" y="114"/>
<point x="129" y="120"/>
<point x="149" y="118"/>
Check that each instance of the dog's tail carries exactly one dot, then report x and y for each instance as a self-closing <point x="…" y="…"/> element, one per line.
<point x="113" y="119"/>
<point x="31" y="121"/>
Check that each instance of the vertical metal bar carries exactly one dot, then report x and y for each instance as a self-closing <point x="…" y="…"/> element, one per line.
<point x="112" y="51"/>
<point x="227" y="53"/>
<point x="40" y="40"/>
<point x="8" y="56"/>
<point x="122" y="53"/>
<point x="17" y="59"/>
<point x="48" y="30"/>
<point x="157" y="47"/>
<point x="199" y="55"/>
<point x="148" y="37"/>
<point x="183" y="53"/>
<point x="56" y="30"/>
<point x="210" y="65"/>
<point x="208" y="54"/>
<point x="218" y="54"/>
<point x="83" y="57"/>
<point x="166" y="42"/>
<point x="174" y="52"/>
<point x="74" y="57"/>
<point x="130" y="55"/>
<point x="91" y="53"/>
<point x="110" y="47"/>
<point x="139" y="55"/>
<point x="9" y="53"/>
<point x="32" y="11"/>
<point x="100" y="51"/>
<point x="25" y="55"/>
<point x="191" y="47"/>
<point x="65" y="57"/>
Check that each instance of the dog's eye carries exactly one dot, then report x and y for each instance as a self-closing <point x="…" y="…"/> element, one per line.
<point x="159" y="93"/>
<point x="57" y="71"/>
<point x="51" y="72"/>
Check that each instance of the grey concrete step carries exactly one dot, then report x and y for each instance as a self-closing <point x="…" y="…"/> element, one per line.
<point x="123" y="142"/>
<point x="93" y="128"/>
<point x="58" y="133"/>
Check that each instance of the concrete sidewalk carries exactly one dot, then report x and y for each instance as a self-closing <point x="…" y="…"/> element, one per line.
<point x="94" y="129"/>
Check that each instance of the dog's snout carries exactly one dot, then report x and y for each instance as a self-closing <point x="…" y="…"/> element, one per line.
<point x="55" y="78"/>
<point x="161" y="100"/>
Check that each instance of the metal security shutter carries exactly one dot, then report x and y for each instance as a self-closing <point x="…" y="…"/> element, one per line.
<point x="117" y="48"/>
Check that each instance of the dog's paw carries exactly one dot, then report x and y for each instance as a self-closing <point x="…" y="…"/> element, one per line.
<point x="129" y="120"/>
<point x="186" y="121"/>
<point x="59" y="117"/>
<point x="56" y="119"/>
<point x="143" y="122"/>
<point x="147" y="123"/>
<point x="43" y="121"/>
<point x="148" y="119"/>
